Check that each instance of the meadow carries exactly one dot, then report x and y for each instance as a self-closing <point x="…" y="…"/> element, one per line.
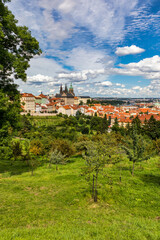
<point x="58" y="205"/>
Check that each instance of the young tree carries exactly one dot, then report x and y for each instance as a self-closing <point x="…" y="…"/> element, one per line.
<point x="36" y="147"/>
<point x="16" y="149"/>
<point x="64" y="146"/>
<point x="115" y="126"/>
<point x="136" y="123"/>
<point x="136" y="149"/>
<point x="109" y="121"/>
<point x="96" y="156"/>
<point x="153" y="128"/>
<point x="95" y="123"/>
<point x="56" y="158"/>
<point x="30" y="156"/>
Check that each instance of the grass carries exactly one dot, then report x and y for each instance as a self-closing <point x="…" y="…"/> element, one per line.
<point x="47" y="120"/>
<point x="57" y="204"/>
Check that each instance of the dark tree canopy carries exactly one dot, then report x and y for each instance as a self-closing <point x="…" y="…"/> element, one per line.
<point x="17" y="47"/>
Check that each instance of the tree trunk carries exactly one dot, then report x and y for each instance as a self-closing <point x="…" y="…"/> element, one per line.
<point x="96" y="193"/>
<point x="27" y="161"/>
<point x="32" y="171"/>
<point x="93" y="187"/>
<point x="133" y="169"/>
<point x="120" y="177"/>
<point x="49" y="164"/>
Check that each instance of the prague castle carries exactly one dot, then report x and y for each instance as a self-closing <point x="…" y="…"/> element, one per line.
<point x="66" y="95"/>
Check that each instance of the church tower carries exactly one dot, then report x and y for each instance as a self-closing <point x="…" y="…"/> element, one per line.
<point x="66" y="89"/>
<point x="61" y="89"/>
<point x="71" y="89"/>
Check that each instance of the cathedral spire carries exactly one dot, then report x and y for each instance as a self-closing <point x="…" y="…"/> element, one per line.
<point x="61" y="89"/>
<point x="66" y="89"/>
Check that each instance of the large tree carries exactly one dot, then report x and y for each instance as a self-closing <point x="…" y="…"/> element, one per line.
<point x="17" y="47"/>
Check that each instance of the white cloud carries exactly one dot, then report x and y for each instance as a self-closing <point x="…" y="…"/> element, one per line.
<point x="104" y="22"/>
<point x="52" y="90"/>
<point x="144" y="20"/>
<point x="122" y="51"/>
<point x="120" y="85"/>
<point x="106" y="84"/>
<point x="81" y="76"/>
<point x="82" y="58"/>
<point x="137" y="88"/>
<point x="108" y="16"/>
<point x="44" y="66"/>
<point x="148" y="68"/>
<point x="39" y="79"/>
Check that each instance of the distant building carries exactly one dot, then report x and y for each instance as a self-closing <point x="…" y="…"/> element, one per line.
<point x="65" y="95"/>
<point x="38" y="108"/>
<point x="83" y="99"/>
<point x="51" y="106"/>
<point x="65" y="110"/>
<point x="28" y="99"/>
<point x="41" y="99"/>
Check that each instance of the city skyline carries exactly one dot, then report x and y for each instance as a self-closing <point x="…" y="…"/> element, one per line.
<point x="105" y="48"/>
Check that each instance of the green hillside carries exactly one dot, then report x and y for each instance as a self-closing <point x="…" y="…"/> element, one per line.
<point x="57" y="204"/>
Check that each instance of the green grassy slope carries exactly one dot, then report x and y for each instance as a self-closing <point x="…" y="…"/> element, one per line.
<point x="57" y="204"/>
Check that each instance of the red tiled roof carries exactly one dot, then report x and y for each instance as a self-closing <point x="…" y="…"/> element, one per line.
<point x="67" y="107"/>
<point x="43" y="107"/>
<point x="38" y="97"/>
<point x="27" y="95"/>
<point x="42" y="95"/>
<point x="54" y="99"/>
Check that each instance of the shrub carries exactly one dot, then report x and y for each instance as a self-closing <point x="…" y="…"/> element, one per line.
<point x="64" y="147"/>
<point x="36" y="147"/>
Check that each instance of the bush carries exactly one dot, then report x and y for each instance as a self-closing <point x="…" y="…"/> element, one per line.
<point x="36" y="147"/>
<point x="64" y="147"/>
<point x="85" y="130"/>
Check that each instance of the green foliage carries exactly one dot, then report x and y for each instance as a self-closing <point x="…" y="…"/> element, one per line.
<point x="17" y="47"/>
<point x="152" y="128"/>
<point x="63" y="146"/>
<point x="108" y="102"/>
<point x="82" y="146"/>
<point x="5" y="149"/>
<point x="85" y="130"/>
<point x="115" y="126"/>
<point x="70" y="121"/>
<point x="136" y="124"/>
<point x="56" y="158"/>
<point x="96" y="123"/>
<point x="96" y="156"/>
<point x="16" y="149"/>
<point x="9" y="112"/>
<point x="136" y="149"/>
<point x="36" y="147"/>
<point x="81" y="103"/>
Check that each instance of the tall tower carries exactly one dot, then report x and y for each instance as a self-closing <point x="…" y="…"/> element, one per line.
<point x="71" y="89"/>
<point x="66" y="89"/>
<point x="61" y="89"/>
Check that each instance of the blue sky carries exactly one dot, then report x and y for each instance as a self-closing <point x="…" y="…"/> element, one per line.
<point x="106" y="48"/>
